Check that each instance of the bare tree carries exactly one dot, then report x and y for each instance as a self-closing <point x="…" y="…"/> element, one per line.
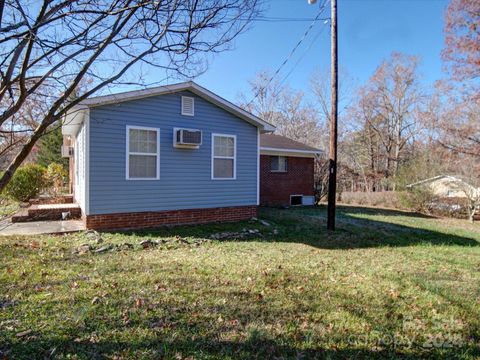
<point x="263" y="96"/>
<point x="320" y="86"/>
<point x="462" y="39"/>
<point x="57" y="44"/>
<point x="459" y="119"/>
<point x="17" y="129"/>
<point x="285" y="108"/>
<point x="472" y="195"/>
<point x="320" y="177"/>
<point x="297" y="120"/>
<point x="387" y="110"/>
<point x="459" y="124"/>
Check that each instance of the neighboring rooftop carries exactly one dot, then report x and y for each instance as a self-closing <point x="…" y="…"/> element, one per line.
<point x="272" y="141"/>
<point x="451" y="178"/>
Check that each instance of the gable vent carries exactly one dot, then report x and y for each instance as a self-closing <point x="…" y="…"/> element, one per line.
<point x="188" y="105"/>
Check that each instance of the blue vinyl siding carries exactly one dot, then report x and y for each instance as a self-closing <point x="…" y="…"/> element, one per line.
<point x="185" y="174"/>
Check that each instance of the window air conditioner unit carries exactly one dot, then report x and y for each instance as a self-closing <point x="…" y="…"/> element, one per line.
<point x="67" y="151"/>
<point x="187" y="138"/>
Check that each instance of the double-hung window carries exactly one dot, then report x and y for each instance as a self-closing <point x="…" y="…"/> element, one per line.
<point x="278" y="164"/>
<point x="143" y="153"/>
<point x="224" y="154"/>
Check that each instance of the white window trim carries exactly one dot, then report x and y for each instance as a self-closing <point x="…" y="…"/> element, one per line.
<point x="127" y="168"/>
<point x="258" y="166"/>
<point x="87" y="162"/>
<point x="234" y="137"/>
<point x="193" y="106"/>
<point x="279" y="171"/>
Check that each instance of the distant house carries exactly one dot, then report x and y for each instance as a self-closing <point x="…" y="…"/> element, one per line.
<point x="178" y="154"/>
<point x="444" y="186"/>
<point x="286" y="171"/>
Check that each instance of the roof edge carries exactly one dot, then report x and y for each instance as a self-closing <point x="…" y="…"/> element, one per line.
<point x="451" y="177"/>
<point x="168" y="89"/>
<point x="289" y="152"/>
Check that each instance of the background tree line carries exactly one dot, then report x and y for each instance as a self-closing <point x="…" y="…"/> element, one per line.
<point x="394" y="129"/>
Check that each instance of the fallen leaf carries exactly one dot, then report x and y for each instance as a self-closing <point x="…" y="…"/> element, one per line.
<point x="95" y="300"/>
<point x="34" y="245"/>
<point x="139" y="302"/>
<point x="23" y="333"/>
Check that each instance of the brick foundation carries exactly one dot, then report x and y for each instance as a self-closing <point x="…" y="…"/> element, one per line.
<point x="139" y="220"/>
<point x="276" y="187"/>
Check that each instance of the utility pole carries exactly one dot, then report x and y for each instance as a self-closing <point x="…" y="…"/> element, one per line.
<point x="332" y="163"/>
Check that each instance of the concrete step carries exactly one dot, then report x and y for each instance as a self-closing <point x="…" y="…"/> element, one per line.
<point x="61" y="199"/>
<point x="43" y="212"/>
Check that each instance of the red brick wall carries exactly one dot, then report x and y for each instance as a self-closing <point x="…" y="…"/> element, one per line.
<point x="276" y="188"/>
<point x="159" y="218"/>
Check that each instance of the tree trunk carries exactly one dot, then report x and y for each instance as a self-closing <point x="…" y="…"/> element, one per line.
<point x="471" y="213"/>
<point x="22" y="155"/>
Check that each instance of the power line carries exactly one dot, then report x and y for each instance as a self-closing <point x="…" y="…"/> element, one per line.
<point x="277" y="19"/>
<point x="322" y="7"/>
<point x="314" y="40"/>
<point x="273" y="19"/>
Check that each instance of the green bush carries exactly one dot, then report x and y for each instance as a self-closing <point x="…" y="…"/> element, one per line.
<point x="27" y="182"/>
<point x="56" y="177"/>
<point x="419" y="199"/>
<point x="387" y="199"/>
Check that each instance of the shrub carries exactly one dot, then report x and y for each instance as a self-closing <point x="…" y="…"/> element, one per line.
<point x="8" y="207"/>
<point x="27" y="182"/>
<point x="56" y="177"/>
<point x="417" y="200"/>
<point x="387" y="199"/>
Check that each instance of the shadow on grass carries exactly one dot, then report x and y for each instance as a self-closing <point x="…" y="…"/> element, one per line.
<point x="189" y="326"/>
<point x="355" y="229"/>
<point x="362" y="227"/>
<point x="212" y="348"/>
<point x="363" y="209"/>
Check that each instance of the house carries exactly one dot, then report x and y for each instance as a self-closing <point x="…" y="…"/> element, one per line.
<point x="445" y="186"/>
<point x="178" y="154"/>
<point x="286" y="171"/>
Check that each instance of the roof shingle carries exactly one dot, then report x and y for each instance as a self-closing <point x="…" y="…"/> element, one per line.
<point x="284" y="143"/>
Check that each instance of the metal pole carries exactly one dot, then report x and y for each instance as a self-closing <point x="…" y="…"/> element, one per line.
<point x="332" y="164"/>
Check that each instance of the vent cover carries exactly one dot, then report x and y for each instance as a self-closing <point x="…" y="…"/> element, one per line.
<point x="188" y="105"/>
<point x="67" y="151"/>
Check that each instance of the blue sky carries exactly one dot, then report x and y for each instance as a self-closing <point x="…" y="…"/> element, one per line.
<point x="369" y="30"/>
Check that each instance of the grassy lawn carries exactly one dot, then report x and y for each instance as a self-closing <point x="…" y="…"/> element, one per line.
<point x="8" y="207"/>
<point x="385" y="284"/>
